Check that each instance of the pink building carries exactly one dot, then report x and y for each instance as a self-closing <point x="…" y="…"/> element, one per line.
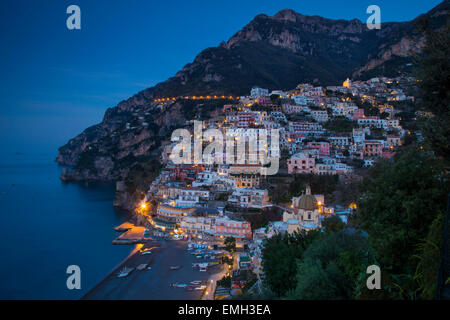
<point x="372" y="148"/>
<point x="301" y="163"/>
<point x="358" y="114"/>
<point x="227" y="108"/>
<point x="245" y="119"/>
<point x="232" y="228"/>
<point x="323" y="147"/>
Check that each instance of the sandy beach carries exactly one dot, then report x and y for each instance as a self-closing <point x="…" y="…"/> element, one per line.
<point x="154" y="284"/>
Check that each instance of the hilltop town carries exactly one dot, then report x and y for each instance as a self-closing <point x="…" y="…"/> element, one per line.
<point x="327" y="137"/>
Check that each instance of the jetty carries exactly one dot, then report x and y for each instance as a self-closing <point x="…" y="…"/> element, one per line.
<point x="131" y="236"/>
<point x="124" y="227"/>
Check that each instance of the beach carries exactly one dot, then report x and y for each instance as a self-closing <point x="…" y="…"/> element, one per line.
<point x="155" y="284"/>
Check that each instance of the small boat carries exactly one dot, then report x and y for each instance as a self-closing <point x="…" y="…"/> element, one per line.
<point x="196" y="282"/>
<point x="200" y="288"/>
<point x="124" y="272"/>
<point x="141" y="266"/>
<point x="149" y="268"/>
<point x="175" y="267"/>
<point x="146" y="251"/>
<point x="180" y="285"/>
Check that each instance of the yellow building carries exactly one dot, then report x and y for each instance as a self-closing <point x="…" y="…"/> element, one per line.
<point x="246" y="180"/>
<point x="245" y="169"/>
<point x="347" y="83"/>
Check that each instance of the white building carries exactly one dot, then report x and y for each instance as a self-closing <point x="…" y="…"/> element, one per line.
<point x="320" y="115"/>
<point x="250" y="198"/>
<point x="258" y="92"/>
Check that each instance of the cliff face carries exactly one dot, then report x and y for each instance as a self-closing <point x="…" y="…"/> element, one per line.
<point x="131" y="134"/>
<point x="127" y="136"/>
<point x="275" y="52"/>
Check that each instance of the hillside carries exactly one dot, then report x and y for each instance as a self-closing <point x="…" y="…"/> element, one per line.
<point x="276" y="52"/>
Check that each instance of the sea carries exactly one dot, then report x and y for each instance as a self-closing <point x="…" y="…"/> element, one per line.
<point x="47" y="225"/>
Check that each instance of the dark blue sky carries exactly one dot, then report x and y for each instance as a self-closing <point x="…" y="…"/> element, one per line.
<point x="56" y="82"/>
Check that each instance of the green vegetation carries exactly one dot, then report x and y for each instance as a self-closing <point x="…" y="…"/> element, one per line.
<point x="320" y="184"/>
<point x="434" y="82"/>
<point x="261" y="219"/>
<point x="340" y="125"/>
<point x="230" y="244"/>
<point x="226" y="260"/>
<point x="87" y="160"/>
<point x="330" y="267"/>
<point x="224" y="282"/>
<point x="250" y="281"/>
<point x="402" y="199"/>
<point x="280" y="254"/>
<point x="141" y="175"/>
<point x="398" y="227"/>
<point x="282" y="189"/>
<point x="332" y="224"/>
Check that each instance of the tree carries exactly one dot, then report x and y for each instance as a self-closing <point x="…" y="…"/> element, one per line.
<point x="230" y="244"/>
<point x="275" y="98"/>
<point x="315" y="281"/>
<point x="320" y="184"/>
<point x="400" y="200"/>
<point x="263" y="217"/>
<point x="224" y="282"/>
<point x="429" y="256"/>
<point x="331" y="266"/>
<point x="434" y="83"/>
<point x="226" y="260"/>
<point x="384" y="115"/>
<point x="333" y="224"/>
<point x="280" y="254"/>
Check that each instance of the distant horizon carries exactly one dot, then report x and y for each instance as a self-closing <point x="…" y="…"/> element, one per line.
<point x="58" y="82"/>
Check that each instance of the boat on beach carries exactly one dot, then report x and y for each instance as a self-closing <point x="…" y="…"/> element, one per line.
<point x="124" y="272"/>
<point x="180" y="285"/>
<point x="200" y="287"/>
<point x="141" y="266"/>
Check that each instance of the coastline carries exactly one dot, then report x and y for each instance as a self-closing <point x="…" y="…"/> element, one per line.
<point x="153" y="284"/>
<point x="113" y="271"/>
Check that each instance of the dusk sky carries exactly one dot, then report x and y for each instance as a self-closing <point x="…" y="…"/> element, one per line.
<point x="56" y="82"/>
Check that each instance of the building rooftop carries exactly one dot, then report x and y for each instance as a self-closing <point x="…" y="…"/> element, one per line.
<point x="307" y="201"/>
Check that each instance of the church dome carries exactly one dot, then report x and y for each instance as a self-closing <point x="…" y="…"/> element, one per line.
<point x="307" y="201"/>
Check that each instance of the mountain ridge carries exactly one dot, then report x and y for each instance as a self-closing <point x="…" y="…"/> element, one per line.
<point x="275" y="52"/>
<point x="353" y="45"/>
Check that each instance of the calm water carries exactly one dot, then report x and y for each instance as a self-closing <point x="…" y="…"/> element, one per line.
<point x="47" y="225"/>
